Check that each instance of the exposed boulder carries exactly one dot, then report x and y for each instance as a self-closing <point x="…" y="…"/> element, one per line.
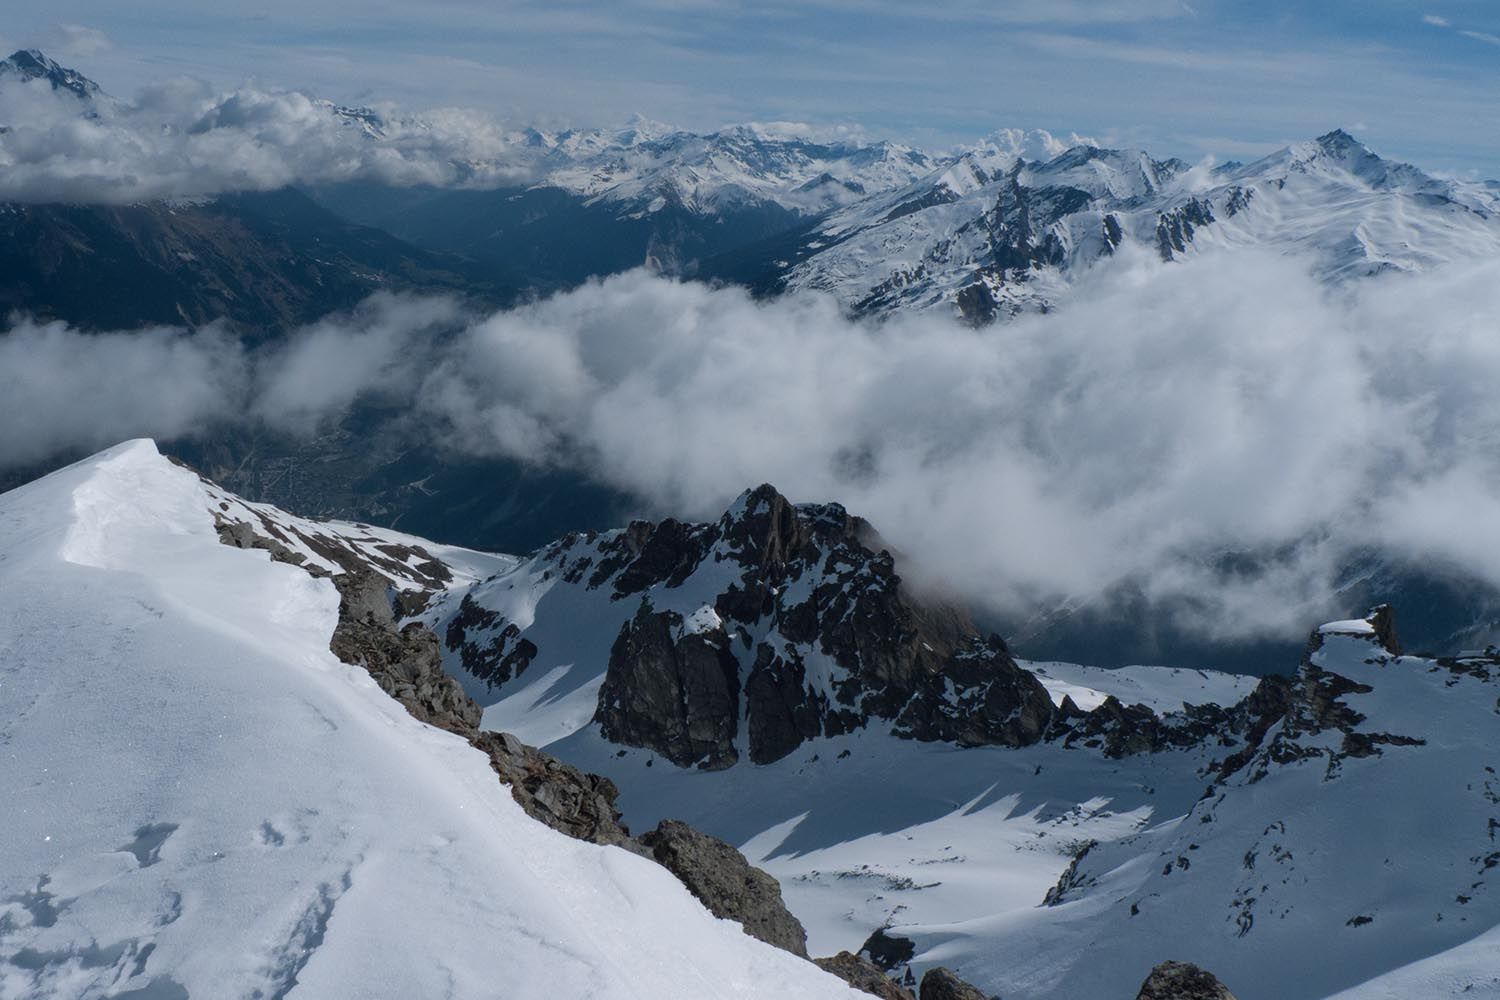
<point x="864" y="975"/>
<point x="726" y="883"/>
<point x="579" y="804"/>
<point x="242" y="535"/>
<point x="1180" y="981"/>
<point x="941" y="984"/>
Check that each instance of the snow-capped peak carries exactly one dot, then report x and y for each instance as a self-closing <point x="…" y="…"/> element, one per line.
<point x="32" y="64"/>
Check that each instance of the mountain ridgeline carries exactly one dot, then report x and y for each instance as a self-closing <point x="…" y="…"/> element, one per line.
<point x="986" y="231"/>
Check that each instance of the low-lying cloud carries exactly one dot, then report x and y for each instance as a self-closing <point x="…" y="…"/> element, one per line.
<point x="1167" y="418"/>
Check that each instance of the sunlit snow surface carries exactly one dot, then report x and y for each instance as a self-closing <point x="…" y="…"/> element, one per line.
<point x="200" y="801"/>
<point x="1316" y="878"/>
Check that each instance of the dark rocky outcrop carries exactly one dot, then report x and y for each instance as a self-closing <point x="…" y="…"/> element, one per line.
<point x="1181" y="981"/>
<point x="726" y="883"/>
<point x="981" y="699"/>
<point x="489" y="647"/>
<point x="864" y="975"/>
<point x="941" y="984"/>
<point x="571" y="801"/>
<point x="1315" y="704"/>
<point x="673" y="691"/>
<point x="406" y="663"/>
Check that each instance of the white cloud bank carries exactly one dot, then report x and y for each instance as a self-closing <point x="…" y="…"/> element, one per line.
<point x="1169" y="416"/>
<point x="181" y="139"/>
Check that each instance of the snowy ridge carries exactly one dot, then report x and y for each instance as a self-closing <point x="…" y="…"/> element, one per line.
<point x="1161" y="689"/>
<point x="997" y="234"/>
<point x="202" y="801"/>
<point x="739" y="165"/>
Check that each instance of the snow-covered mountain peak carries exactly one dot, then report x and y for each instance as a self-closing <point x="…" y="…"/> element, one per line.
<point x="32" y="64"/>
<point x="1339" y="157"/>
<point x="1118" y="175"/>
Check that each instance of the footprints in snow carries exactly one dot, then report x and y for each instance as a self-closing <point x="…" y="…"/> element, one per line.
<point x="47" y="952"/>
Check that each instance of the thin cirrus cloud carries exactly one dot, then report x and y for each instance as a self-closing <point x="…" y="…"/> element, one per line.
<point x="1167" y="416"/>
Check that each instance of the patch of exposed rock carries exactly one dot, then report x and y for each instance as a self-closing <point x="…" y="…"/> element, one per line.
<point x="1180" y="981"/>
<point x="942" y="984"/>
<point x="888" y="951"/>
<point x="406" y="663"/>
<point x="862" y="974"/>
<point x="1315" y="705"/>
<point x="577" y="803"/>
<point x="676" y="692"/>
<point x="726" y="883"/>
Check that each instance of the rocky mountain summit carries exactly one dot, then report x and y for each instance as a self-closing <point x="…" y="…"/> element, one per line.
<point x="746" y="636"/>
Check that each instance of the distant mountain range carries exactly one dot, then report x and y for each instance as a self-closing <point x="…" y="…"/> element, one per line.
<point x="986" y="231"/>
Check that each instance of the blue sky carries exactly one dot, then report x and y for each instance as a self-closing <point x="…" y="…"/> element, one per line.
<point x="1231" y="79"/>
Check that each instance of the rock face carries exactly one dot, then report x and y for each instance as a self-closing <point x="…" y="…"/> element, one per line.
<point x="565" y="798"/>
<point x="671" y="689"/>
<point x="941" y="984"/>
<point x="1313" y="705"/>
<point x="864" y="975"/>
<point x="726" y="883"/>
<point x="1179" y="981"/>
<point x="406" y="663"/>
<point x="771" y="626"/>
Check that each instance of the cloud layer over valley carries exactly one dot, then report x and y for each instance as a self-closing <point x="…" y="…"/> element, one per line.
<point x="1169" y="418"/>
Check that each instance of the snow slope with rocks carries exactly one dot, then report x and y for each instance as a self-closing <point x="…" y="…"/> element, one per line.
<point x="201" y="801"/>
<point x="1058" y="865"/>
